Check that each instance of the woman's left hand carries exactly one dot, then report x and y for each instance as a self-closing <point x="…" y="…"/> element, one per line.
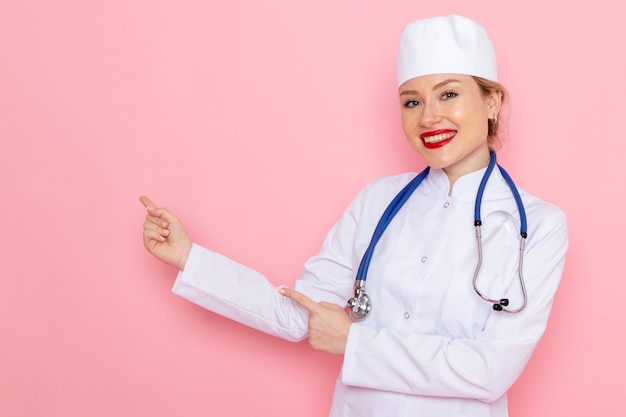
<point x="329" y="324"/>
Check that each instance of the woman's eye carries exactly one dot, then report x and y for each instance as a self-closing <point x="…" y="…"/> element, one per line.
<point x="411" y="103"/>
<point x="448" y="95"/>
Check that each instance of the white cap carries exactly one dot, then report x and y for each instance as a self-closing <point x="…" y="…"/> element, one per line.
<point x="445" y="45"/>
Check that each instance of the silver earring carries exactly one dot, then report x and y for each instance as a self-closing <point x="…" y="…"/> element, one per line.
<point x="494" y="119"/>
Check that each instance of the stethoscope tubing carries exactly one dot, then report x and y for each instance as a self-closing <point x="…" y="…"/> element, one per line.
<point x="360" y="305"/>
<point x="389" y="213"/>
<point x="501" y="304"/>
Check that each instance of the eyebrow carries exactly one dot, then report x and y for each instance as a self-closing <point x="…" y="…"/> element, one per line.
<point x="438" y="85"/>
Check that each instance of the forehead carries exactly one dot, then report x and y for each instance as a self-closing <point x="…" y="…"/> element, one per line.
<point x="426" y="83"/>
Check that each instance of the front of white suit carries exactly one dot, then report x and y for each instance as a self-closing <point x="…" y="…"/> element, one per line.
<point x="430" y="346"/>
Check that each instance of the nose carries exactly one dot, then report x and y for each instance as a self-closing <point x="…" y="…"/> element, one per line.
<point x="429" y="115"/>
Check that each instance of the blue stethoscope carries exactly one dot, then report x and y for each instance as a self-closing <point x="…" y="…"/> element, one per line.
<point x="360" y="305"/>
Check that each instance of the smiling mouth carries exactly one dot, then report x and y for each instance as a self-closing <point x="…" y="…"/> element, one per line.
<point x="432" y="139"/>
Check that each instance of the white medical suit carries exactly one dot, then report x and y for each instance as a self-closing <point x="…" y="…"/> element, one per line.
<point x="431" y="346"/>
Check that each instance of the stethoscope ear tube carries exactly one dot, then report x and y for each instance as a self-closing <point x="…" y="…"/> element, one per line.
<point x="501" y="304"/>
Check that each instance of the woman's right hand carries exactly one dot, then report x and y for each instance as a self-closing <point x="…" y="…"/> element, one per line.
<point x="164" y="235"/>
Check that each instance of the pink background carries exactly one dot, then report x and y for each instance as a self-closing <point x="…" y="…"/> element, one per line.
<point x="257" y="122"/>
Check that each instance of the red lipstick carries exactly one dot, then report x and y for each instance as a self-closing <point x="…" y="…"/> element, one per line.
<point x="437" y="138"/>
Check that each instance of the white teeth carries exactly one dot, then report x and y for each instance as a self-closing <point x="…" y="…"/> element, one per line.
<point x="438" y="138"/>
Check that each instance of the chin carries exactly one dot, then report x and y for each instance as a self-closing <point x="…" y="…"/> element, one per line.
<point x="434" y="161"/>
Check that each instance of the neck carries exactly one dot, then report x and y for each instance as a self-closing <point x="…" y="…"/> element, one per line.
<point x="456" y="171"/>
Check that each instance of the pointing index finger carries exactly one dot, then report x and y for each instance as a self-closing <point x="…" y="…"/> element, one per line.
<point x="299" y="298"/>
<point x="147" y="203"/>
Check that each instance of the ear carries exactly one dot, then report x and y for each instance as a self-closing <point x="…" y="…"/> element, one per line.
<point x="494" y="102"/>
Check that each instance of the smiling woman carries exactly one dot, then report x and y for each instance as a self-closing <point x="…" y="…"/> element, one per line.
<point x="432" y="343"/>
<point x="445" y="117"/>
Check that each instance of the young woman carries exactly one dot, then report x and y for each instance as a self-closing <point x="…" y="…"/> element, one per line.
<point x="461" y="267"/>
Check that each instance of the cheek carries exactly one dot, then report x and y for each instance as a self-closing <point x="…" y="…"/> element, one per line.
<point x="474" y="125"/>
<point x="408" y="124"/>
<point x="460" y="116"/>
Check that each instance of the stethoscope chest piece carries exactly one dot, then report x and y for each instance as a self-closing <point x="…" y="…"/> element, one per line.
<point x="359" y="305"/>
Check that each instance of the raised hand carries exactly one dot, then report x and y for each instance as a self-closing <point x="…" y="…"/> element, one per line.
<point x="329" y="324"/>
<point x="164" y="235"/>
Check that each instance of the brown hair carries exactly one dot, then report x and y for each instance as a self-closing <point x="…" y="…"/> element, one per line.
<point x="494" y="138"/>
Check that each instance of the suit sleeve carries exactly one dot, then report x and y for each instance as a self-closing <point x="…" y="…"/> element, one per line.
<point x="232" y="290"/>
